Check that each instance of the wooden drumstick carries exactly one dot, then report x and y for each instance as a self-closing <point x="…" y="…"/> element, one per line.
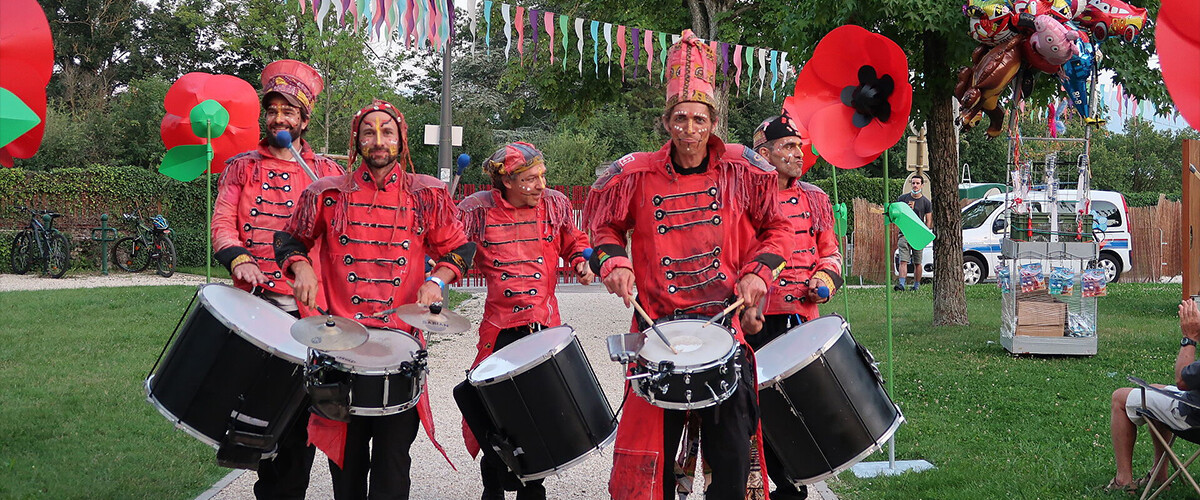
<point x="727" y="310"/>
<point x="654" y="327"/>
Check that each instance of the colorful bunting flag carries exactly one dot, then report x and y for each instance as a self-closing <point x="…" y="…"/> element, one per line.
<point x="548" y="23"/>
<point x="519" y="23"/>
<point x="662" y="56"/>
<point x="621" y="44"/>
<point x="504" y="9"/>
<point x="737" y="63"/>
<point x="562" y="29"/>
<point x="608" y="44"/>
<point x="487" y="18"/>
<point x="578" y="43"/>
<point x="533" y="24"/>
<point x="636" y="51"/>
<point x="596" y="47"/>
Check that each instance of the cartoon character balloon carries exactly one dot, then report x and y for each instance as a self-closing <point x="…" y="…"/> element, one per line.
<point x="1076" y="72"/>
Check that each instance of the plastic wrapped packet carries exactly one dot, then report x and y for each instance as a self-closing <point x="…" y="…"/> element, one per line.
<point x="1032" y="278"/>
<point x="1003" y="279"/>
<point x="1062" y="281"/>
<point x="1094" y="284"/>
<point x="1079" y="326"/>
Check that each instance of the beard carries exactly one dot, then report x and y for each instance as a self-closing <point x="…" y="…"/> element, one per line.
<point x="374" y="161"/>
<point x="295" y="131"/>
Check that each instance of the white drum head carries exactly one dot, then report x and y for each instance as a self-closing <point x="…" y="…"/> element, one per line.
<point x="697" y="344"/>
<point x="798" y="347"/>
<point x="255" y="319"/>
<point x="383" y="352"/>
<point x="522" y="354"/>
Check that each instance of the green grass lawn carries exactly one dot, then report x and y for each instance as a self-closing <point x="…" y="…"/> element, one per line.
<point x="999" y="426"/>
<point x="74" y="421"/>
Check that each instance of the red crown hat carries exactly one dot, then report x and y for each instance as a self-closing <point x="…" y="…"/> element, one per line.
<point x="691" y="67"/>
<point x="297" y="82"/>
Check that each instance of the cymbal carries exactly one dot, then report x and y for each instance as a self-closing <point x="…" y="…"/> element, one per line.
<point x="432" y="318"/>
<point x="329" y="333"/>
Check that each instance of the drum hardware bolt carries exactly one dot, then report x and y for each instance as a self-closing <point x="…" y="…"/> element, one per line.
<point x="640" y="375"/>
<point x="518" y="451"/>
<point x="723" y="369"/>
<point x="688" y="395"/>
<point x="724" y="386"/>
<point x="687" y="378"/>
<point x="663" y="388"/>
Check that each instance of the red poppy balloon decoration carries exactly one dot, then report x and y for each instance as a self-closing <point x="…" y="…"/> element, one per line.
<point x="1178" y="43"/>
<point x="26" y="61"/>
<point x="235" y="95"/>
<point x="853" y="96"/>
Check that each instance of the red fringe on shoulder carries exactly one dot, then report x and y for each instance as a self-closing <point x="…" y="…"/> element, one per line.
<point x="473" y="211"/>
<point x="558" y="208"/>
<point x="434" y="205"/>
<point x="818" y="204"/>
<point x="304" y="220"/>
<point x="610" y="198"/>
<point x="750" y="191"/>
<point x="239" y="169"/>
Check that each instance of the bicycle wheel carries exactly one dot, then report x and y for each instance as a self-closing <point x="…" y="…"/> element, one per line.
<point x="58" y="260"/>
<point x="21" y="253"/>
<point x="166" y="255"/>
<point x="131" y="254"/>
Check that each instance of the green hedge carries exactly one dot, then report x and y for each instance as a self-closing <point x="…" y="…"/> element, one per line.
<point x="83" y="193"/>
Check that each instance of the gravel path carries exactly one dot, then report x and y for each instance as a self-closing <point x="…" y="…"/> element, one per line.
<point x="14" y="282"/>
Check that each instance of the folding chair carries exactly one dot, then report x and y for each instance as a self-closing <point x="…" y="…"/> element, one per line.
<point x="1190" y="435"/>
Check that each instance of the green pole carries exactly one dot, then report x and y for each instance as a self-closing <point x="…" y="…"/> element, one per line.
<point x="841" y="249"/>
<point x="208" y="207"/>
<point x="887" y="289"/>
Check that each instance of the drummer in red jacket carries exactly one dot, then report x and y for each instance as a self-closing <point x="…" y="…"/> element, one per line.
<point x="521" y="229"/>
<point x="815" y="261"/>
<point x="698" y="210"/>
<point x="256" y="195"/>
<point x="374" y="227"/>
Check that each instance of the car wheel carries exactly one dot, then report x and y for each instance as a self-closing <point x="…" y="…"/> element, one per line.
<point x="1130" y="33"/>
<point x="1100" y="31"/>
<point x="1111" y="266"/>
<point x="973" y="270"/>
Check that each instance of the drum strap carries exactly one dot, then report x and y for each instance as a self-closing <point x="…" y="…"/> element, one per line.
<point x="173" y="332"/>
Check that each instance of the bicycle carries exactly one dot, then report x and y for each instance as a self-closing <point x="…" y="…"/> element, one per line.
<point x="152" y="243"/>
<point x="41" y="243"/>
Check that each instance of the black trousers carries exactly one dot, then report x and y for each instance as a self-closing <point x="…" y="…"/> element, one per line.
<point x="286" y="475"/>
<point x="774" y="326"/>
<point x="492" y="470"/>
<point x="388" y="462"/>
<point x="725" y="433"/>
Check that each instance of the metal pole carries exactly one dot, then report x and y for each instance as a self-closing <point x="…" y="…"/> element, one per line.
<point x="444" y="147"/>
<point x="887" y="240"/>
<point x="841" y="246"/>
<point x="208" y="207"/>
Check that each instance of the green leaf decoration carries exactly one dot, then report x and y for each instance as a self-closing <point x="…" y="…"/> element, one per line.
<point x="840" y="218"/>
<point x="185" y="163"/>
<point x="918" y="235"/>
<point x="15" y="117"/>
<point x="208" y="114"/>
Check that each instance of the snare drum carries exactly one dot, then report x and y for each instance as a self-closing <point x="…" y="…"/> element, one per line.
<point x="384" y="376"/>
<point x="704" y="373"/>
<point x="822" y="400"/>
<point x="546" y="406"/>
<point x="233" y="376"/>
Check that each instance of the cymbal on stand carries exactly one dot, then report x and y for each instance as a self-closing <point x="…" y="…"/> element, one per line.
<point x="432" y="318"/>
<point x="329" y="333"/>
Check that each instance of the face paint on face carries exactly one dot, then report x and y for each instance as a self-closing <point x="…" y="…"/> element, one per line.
<point x="689" y="124"/>
<point x="378" y="139"/>
<point x="526" y="189"/>
<point x="787" y="157"/>
<point x="279" y="115"/>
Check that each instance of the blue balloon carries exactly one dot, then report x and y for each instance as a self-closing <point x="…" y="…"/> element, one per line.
<point x="1075" y="75"/>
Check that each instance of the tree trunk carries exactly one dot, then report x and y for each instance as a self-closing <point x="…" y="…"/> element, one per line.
<point x="704" y="25"/>
<point x="949" y="298"/>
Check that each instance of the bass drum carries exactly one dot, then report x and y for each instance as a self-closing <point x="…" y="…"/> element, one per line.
<point x="547" y="408"/>
<point x="822" y="400"/>
<point x="233" y="378"/>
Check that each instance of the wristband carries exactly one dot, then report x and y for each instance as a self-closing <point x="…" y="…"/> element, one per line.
<point x="435" y="279"/>
<point x="239" y="260"/>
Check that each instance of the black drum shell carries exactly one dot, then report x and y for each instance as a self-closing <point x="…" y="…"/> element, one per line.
<point x="366" y="393"/>
<point x="844" y="413"/>
<point x="721" y="375"/>
<point x="211" y="371"/>
<point x="555" y="412"/>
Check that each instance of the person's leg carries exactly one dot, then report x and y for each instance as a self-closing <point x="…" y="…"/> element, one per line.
<point x="286" y="475"/>
<point x="725" y="434"/>
<point x="916" y="262"/>
<point x="350" y="481"/>
<point x="390" y="462"/>
<point x="490" y="470"/>
<point x="533" y="490"/>
<point x="673" y="422"/>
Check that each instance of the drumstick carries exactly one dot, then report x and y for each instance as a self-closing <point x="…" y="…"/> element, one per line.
<point x="654" y="327"/>
<point x="727" y="310"/>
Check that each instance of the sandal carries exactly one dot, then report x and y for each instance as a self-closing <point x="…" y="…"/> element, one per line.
<point x="1131" y="487"/>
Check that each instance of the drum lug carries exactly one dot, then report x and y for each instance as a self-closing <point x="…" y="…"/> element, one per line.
<point x="663" y="388"/>
<point x="687" y="378"/>
<point x="688" y="395"/>
<point x="724" y="386"/>
<point x="723" y="369"/>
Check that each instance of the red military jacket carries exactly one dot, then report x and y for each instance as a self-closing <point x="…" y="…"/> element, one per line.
<point x="257" y="194"/>
<point x="815" y="248"/>
<point x="517" y="250"/>
<point x="375" y="240"/>
<point x="693" y="237"/>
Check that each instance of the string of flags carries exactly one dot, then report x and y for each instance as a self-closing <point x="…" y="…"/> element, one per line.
<point x="429" y="25"/>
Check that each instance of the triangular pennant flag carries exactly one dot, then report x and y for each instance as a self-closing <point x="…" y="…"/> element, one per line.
<point x="596" y="46"/>
<point x="648" y="44"/>
<point x="633" y="34"/>
<point x="662" y="56"/>
<point x="608" y="45"/>
<point x="578" y="43"/>
<point x="774" y="72"/>
<point x="725" y="64"/>
<point x="504" y="10"/>
<point x="749" y="52"/>
<point x="762" y="70"/>
<point x="519" y="23"/>
<point x="16" y="117"/>
<point x="562" y="30"/>
<point x="472" y="14"/>
<point x="322" y="13"/>
<point x="737" y="63"/>
<point x="621" y="44"/>
<point x="533" y="25"/>
<point x="549" y="23"/>
<point x="487" y="18"/>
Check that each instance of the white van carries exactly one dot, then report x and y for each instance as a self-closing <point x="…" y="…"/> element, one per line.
<point x="983" y="227"/>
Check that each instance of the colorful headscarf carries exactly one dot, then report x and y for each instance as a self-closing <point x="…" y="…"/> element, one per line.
<point x="297" y="82"/>
<point x="513" y="158"/>
<point x="691" y="67"/>
<point x="383" y="107"/>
